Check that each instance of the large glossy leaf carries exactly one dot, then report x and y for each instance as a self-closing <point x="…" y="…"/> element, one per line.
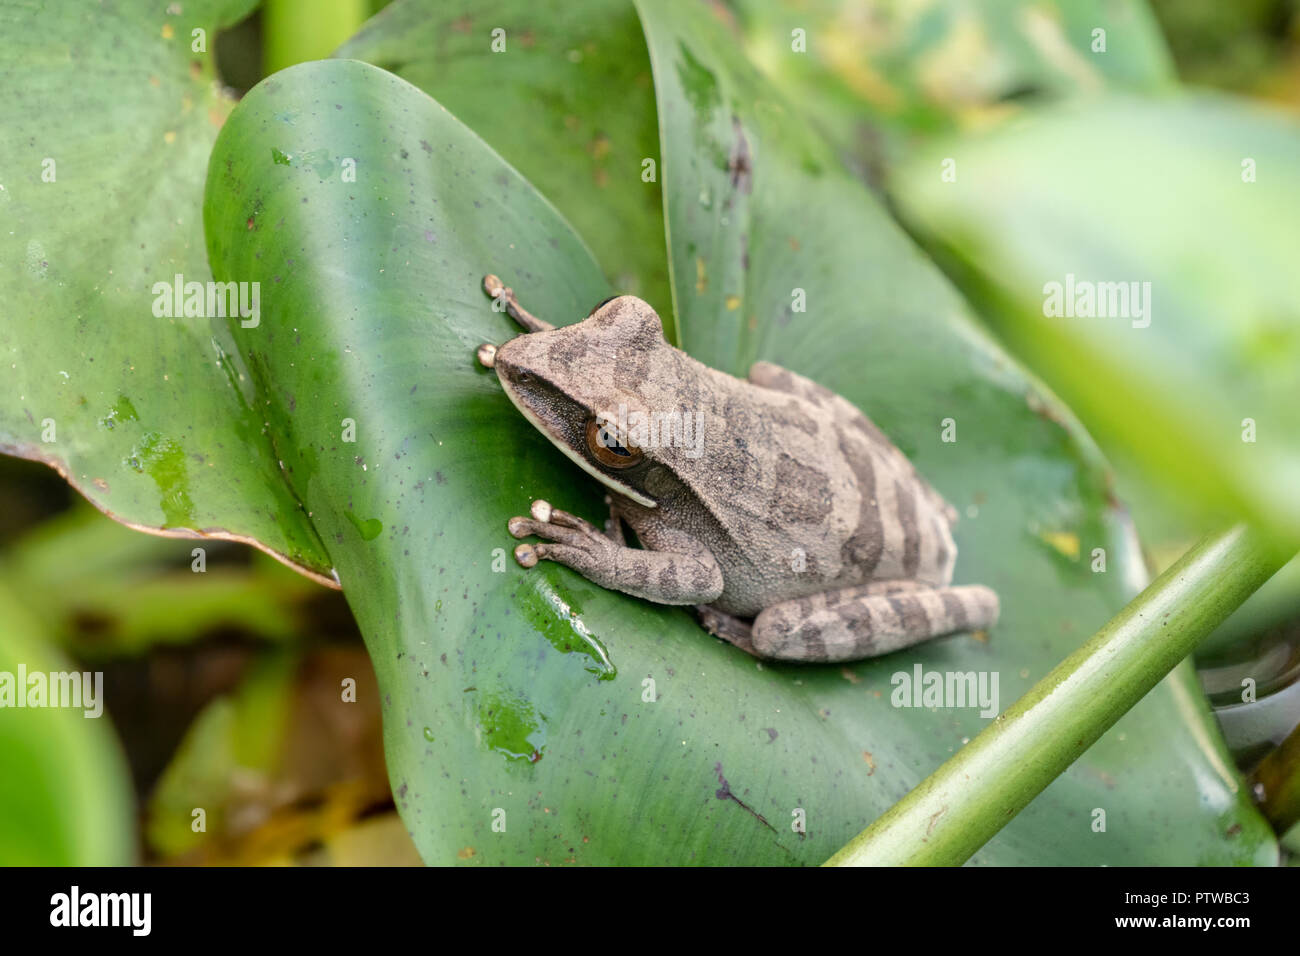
<point x="568" y="102"/>
<point x="65" y="794"/>
<point x="108" y="125"/>
<point x="1201" y="388"/>
<point x="761" y="216"/>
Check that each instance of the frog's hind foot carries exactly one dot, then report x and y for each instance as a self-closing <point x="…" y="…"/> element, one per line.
<point x="733" y="630"/>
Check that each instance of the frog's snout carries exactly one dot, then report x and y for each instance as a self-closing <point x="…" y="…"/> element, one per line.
<point x="510" y="372"/>
<point x="510" y="360"/>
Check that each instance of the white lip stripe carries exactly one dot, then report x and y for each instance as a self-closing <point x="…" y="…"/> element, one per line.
<point x="625" y="490"/>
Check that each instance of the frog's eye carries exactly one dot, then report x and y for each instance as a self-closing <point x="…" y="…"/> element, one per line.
<point x="603" y="443"/>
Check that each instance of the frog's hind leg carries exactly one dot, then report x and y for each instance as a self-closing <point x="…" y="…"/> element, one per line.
<point x="869" y="620"/>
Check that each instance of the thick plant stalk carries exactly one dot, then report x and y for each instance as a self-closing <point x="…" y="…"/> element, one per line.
<point x="293" y="31"/>
<point x="959" y="807"/>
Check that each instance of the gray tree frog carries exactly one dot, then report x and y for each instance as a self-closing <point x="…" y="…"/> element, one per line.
<point x="773" y="505"/>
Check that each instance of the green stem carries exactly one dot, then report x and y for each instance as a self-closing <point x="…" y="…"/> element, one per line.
<point x="294" y="31"/>
<point x="959" y="807"/>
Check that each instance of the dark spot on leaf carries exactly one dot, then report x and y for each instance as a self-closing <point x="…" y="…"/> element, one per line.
<point x="739" y="163"/>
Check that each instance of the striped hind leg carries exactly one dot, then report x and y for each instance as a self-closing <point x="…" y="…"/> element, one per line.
<point x="869" y="620"/>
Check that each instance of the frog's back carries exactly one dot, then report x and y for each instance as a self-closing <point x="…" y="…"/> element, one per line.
<point x="810" y="495"/>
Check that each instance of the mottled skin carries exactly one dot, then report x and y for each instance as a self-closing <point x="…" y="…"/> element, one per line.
<point x="800" y="533"/>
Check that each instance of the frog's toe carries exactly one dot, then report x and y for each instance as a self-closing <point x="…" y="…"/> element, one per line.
<point x="566" y="520"/>
<point x="523" y="527"/>
<point x="544" y="514"/>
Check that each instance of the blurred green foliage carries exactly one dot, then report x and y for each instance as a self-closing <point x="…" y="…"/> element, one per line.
<point x="65" y="794"/>
<point x="1249" y="46"/>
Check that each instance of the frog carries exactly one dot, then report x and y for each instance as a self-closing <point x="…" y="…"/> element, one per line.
<point x="773" y="506"/>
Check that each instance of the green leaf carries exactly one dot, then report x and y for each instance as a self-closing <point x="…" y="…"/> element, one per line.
<point x="65" y="793"/>
<point x="758" y="211"/>
<point x="569" y="102"/>
<point x="1171" y="209"/>
<point x="107" y="134"/>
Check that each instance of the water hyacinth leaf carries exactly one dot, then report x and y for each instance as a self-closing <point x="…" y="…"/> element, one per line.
<point x="581" y="715"/>
<point x="779" y="254"/>
<point x="108" y="374"/>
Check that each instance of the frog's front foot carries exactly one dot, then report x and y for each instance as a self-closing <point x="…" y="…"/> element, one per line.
<point x="505" y="300"/>
<point x="689" y="575"/>
<point x="575" y="541"/>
